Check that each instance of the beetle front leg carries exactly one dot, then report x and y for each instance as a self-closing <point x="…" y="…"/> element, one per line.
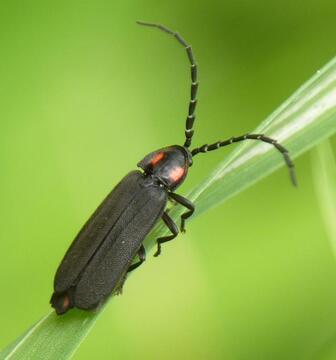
<point x="142" y="258"/>
<point x="172" y="227"/>
<point x="186" y="203"/>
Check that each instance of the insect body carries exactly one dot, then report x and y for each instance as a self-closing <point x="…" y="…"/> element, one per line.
<point x="98" y="260"/>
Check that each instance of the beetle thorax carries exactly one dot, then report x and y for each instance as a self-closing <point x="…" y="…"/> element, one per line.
<point x="169" y="165"/>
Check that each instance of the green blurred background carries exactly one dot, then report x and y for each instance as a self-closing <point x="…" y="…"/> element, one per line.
<point x="85" y="93"/>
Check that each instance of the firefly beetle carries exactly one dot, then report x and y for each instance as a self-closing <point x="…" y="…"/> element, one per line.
<point x="98" y="260"/>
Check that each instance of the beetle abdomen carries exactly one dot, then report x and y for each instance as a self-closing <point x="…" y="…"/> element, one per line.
<point x="111" y="262"/>
<point x="97" y="261"/>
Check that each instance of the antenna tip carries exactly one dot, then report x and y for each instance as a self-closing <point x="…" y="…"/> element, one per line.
<point x="293" y="177"/>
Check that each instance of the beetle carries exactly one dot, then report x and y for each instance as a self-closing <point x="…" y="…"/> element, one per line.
<point x="103" y="252"/>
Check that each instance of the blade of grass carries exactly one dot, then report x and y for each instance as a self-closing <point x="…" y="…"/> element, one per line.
<point x="49" y="337"/>
<point x="324" y="173"/>
<point x="305" y="119"/>
<point x="302" y="121"/>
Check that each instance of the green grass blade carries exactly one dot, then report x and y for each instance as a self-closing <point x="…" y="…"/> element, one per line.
<point x="324" y="172"/>
<point x="302" y="121"/>
<point x="52" y="337"/>
<point x="305" y="119"/>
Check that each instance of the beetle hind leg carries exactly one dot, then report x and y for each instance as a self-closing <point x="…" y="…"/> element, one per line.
<point x="142" y="258"/>
<point x="172" y="227"/>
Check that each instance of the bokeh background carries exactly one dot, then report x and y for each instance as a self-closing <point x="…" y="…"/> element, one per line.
<point x="85" y="93"/>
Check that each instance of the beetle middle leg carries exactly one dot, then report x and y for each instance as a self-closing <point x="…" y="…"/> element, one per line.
<point x="173" y="204"/>
<point x="186" y="203"/>
<point x="172" y="227"/>
<point x="142" y="258"/>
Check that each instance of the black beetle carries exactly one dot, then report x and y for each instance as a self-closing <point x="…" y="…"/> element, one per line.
<point x="98" y="260"/>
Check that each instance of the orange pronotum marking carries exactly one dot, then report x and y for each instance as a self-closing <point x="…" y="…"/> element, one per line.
<point x="158" y="157"/>
<point x="176" y="173"/>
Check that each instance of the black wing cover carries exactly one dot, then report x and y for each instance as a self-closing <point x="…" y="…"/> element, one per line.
<point x="98" y="259"/>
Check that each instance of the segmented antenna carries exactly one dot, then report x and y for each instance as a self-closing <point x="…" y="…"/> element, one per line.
<point x="261" y="137"/>
<point x="189" y="132"/>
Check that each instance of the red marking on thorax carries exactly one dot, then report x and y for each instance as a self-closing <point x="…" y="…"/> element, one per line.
<point x="176" y="173"/>
<point x="157" y="158"/>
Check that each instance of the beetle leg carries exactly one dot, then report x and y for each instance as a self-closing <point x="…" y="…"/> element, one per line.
<point x="142" y="257"/>
<point x="172" y="227"/>
<point x="173" y="204"/>
<point x="186" y="203"/>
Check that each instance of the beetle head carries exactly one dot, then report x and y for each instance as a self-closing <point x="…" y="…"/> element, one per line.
<point x="169" y="165"/>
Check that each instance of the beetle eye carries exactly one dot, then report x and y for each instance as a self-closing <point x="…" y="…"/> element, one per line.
<point x="190" y="159"/>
